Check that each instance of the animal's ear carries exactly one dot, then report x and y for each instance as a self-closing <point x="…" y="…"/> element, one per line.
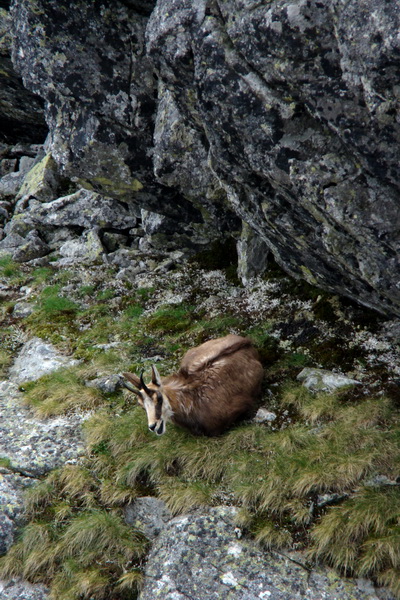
<point x="131" y="378"/>
<point x="156" y="379"/>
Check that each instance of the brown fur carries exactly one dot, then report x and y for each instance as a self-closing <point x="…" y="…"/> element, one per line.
<point x="217" y="384"/>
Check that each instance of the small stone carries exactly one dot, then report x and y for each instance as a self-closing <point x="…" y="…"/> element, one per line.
<point x="264" y="416"/>
<point x="108" y="384"/>
<point x="22" y="310"/>
<point x="321" y="380"/>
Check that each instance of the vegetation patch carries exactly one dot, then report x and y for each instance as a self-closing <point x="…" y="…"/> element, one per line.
<point x="171" y="319"/>
<point x="60" y="392"/>
<point x="284" y="481"/>
<point x="9" y="269"/>
<point x="75" y="546"/>
<point x="321" y="477"/>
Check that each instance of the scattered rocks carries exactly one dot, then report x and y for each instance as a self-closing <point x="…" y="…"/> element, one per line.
<point x="321" y="380"/>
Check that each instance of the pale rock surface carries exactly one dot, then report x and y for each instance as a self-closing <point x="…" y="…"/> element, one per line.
<point x="321" y="380"/>
<point x="38" y="358"/>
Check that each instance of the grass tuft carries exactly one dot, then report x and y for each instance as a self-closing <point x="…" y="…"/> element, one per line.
<point x="170" y="319"/>
<point x="60" y="392"/>
<point x="362" y="536"/>
<point x="10" y="269"/>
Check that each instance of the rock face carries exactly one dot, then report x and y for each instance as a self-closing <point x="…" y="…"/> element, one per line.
<point x="298" y="103"/>
<point x="21" y="112"/>
<point x="38" y="358"/>
<point x="89" y="63"/>
<point x="286" y="111"/>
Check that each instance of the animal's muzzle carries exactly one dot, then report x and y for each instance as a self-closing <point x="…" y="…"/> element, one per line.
<point x="157" y="427"/>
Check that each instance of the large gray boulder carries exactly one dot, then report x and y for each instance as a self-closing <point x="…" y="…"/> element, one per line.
<point x="88" y="61"/>
<point x="298" y="103"/>
<point x="200" y="556"/>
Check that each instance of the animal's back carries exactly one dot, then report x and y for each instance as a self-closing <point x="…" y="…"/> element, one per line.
<point x="204" y="355"/>
<point x="224" y="377"/>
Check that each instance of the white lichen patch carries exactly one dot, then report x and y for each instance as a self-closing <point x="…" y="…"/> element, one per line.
<point x="229" y="579"/>
<point x="235" y="550"/>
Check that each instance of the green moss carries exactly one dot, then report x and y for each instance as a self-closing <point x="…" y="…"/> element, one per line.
<point x="105" y="295"/>
<point x="86" y="290"/>
<point x="11" y="270"/>
<point x="133" y="312"/>
<point x="114" y="187"/>
<point x="42" y="274"/>
<point x="54" y="306"/>
<point x="5" y="362"/>
<point x="54" y="317"/>
<point x="267" y="346"/>
<point x="169" y="319"/>
<point x="5" y="463"/>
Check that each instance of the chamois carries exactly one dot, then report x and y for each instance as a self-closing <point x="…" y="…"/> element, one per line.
<point x="217" y="384"/>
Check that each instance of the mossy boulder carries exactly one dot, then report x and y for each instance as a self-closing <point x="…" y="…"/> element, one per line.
<point x="41" y="181"/>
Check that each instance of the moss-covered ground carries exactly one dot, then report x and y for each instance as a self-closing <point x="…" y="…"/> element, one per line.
<point x="322" y="477"/>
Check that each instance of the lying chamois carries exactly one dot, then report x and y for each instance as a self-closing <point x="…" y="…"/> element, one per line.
<point x="217" y="384"/>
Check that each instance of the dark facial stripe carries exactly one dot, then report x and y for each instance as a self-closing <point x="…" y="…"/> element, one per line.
<point x="159" y="406"/>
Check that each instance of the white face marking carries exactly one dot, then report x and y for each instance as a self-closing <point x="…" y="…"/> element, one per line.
<point x="156" y="425"/>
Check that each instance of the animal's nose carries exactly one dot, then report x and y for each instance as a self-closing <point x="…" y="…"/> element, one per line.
<point x="152" y="427"/>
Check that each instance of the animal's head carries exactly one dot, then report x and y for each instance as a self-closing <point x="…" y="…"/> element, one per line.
<point x="152" y="398"/>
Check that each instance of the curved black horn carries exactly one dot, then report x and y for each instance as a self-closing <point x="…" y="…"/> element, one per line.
<point x="142" y="383"/>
